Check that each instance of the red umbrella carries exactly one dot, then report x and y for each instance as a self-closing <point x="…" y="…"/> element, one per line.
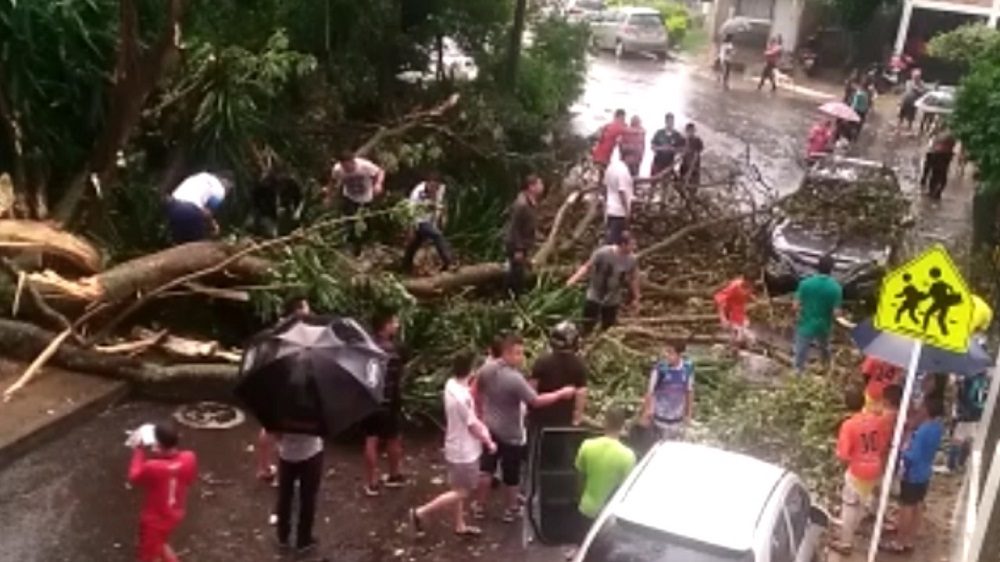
<point x="840" y="110"/>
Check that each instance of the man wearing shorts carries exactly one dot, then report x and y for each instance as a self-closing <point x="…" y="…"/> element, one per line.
<point x="613" y="270"/>
<point x="669" y="403"/>
<point x="465" y="437"/>
<point x="731" y="303"/>
<point x="918" y="467"/>
<point x="164" y="473"/>
<point x="861" y="446"/>
<point x="382" y="428"/>
<point x="503" y="391"/>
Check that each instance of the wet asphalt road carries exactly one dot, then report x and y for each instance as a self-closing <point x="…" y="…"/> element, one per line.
<point x="66" y="501"/>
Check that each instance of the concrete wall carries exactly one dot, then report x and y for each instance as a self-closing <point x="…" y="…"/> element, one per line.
<point x="787" y="16"/>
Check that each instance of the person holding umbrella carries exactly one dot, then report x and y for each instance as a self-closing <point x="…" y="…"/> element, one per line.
<point x="383" y="427"/>
<point x="465" y="438"/>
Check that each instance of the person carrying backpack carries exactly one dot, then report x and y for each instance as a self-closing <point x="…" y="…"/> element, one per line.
<point x="969" y="404"/>
<point x="669" y="403"/>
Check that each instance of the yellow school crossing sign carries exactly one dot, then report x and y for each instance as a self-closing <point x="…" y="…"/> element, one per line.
<point x="927" y="299"/>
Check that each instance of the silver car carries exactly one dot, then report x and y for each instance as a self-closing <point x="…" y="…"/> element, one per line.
<point x="693" y="503"/>
<point x="630" y="30"/>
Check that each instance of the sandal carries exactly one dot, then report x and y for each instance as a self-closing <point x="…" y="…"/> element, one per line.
<point x="895" y="547"/>
<point x="469" y="531"/>
<point x="511" y="515"/>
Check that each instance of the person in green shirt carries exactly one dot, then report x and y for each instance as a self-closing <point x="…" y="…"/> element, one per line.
<point x="817" y="301"/>
<point x="602" y="463"/>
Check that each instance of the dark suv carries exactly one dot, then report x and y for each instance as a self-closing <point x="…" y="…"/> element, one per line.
<point x="853" y="210"/>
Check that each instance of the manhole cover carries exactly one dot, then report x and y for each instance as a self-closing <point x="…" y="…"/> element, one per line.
<point x="209" y="415"/>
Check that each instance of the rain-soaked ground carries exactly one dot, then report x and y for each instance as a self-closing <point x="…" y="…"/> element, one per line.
<point x="66" y="501"/>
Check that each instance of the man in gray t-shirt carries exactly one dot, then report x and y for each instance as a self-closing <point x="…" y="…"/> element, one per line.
<point x="612" y="269"/>
<point x="503" y="392"/>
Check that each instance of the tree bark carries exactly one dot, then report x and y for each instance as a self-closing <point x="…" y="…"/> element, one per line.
<point x="136" y="74"/>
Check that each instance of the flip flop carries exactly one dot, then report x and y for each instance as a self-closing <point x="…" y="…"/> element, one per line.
<point x="415" y="523"/>
<point x="469" y="531"/>
<point x="895" y="547"/>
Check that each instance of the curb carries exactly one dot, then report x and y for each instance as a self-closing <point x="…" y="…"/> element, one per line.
<point x="45" y="429"/>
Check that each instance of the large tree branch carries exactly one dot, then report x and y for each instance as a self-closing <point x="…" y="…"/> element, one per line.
<point x="689" y="230"/>
<point x="409" y="122"/>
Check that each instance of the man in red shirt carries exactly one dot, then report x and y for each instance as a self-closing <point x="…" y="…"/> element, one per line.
<point x="608" y="138"/>
<point x="861" y="446"/>
<point x="772" y="55"/>
<point x="165" y="473"/>
<point x="731" y="302"/>
<point x="878" y="375"/>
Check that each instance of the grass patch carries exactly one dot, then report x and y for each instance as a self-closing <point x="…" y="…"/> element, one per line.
<point x="695" y="41"/>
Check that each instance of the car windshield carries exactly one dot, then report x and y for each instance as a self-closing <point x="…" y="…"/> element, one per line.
<point x="623" y="541"/>
<point x="645" y="20"/>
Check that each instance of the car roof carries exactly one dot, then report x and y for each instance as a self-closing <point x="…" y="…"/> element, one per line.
<point x="702" y="493"/>
<point x="634" y="10"/>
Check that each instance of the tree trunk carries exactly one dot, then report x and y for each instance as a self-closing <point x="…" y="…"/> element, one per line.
<point x="514" y="52"/>
<point x="142" y="274"/>
<point x="136" y="74"/>
<point x="45" y="239"/>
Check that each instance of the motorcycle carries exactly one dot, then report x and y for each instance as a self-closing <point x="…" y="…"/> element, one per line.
<point x="809" y="56"/>
<point x="891" y="76"/>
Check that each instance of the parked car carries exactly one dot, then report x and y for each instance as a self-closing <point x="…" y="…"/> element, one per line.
<point x="851" y="209"/>
<point x="630" y="30"/>
<point x="582" y="10"/>
<point x="695" y="503"/>
<point x="457" y="65"/>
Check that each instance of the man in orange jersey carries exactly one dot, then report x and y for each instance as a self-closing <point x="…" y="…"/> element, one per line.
<point x="861" y="447"/>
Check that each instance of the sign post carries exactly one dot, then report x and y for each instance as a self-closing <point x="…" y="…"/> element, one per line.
<point x="897" y="436"/>
<point x="928" y="301"/>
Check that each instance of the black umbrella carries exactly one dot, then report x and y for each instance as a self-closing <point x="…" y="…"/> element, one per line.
<point x="314" y="374"/>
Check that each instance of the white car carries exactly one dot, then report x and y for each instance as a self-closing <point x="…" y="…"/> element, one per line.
<point x="692" y="503"/>
<point x="582" y="10"/>
<point x="630" y="30"/>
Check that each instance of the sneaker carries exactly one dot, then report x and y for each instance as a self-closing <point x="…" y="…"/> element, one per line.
<point x="394" y="481"/>
<point x="306" y="547"/>
<point x="371" y="491"/>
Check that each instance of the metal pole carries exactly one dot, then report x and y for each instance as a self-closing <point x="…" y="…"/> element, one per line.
<point x="986" y="507"/>
<point x="890" y="468"/>
<point x="904" y="26"/>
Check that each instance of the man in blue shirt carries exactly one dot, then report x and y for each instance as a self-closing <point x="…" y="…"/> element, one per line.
<point x="669" y="402"/>
<point x="918" y="466"/>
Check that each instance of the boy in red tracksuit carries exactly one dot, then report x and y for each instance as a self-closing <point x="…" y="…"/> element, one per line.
<point x="165" y="474"/>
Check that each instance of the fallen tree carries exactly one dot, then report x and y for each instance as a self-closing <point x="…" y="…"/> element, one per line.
<point x="19" y="236"/>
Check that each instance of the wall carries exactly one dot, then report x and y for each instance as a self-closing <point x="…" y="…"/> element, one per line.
<point x="787" y="14"/>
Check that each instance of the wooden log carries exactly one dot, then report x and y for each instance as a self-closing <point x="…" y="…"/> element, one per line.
<point x="142" y="274"/>
<point x="23" y="341"/>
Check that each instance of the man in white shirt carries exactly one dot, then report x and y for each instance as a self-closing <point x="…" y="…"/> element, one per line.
<point x="619" y="188"/>
<point x="191" y="206"/>
<point x="427" y="202"/>
<point x="464" y="440"/>
<point x="361" y="181"/>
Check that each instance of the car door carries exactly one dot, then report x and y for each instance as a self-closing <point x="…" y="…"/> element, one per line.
<point x="807" y="523"/>
<point x="606" y="29"/>
<point x="780" y="546"/>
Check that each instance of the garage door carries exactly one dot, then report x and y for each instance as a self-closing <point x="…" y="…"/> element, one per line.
<point x="758" y="9"/>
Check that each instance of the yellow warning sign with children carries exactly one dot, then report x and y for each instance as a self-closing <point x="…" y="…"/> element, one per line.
<point x="927" y="299"/>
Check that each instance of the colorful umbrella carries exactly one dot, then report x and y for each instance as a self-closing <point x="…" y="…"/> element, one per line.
<point x="840" y="110"/>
